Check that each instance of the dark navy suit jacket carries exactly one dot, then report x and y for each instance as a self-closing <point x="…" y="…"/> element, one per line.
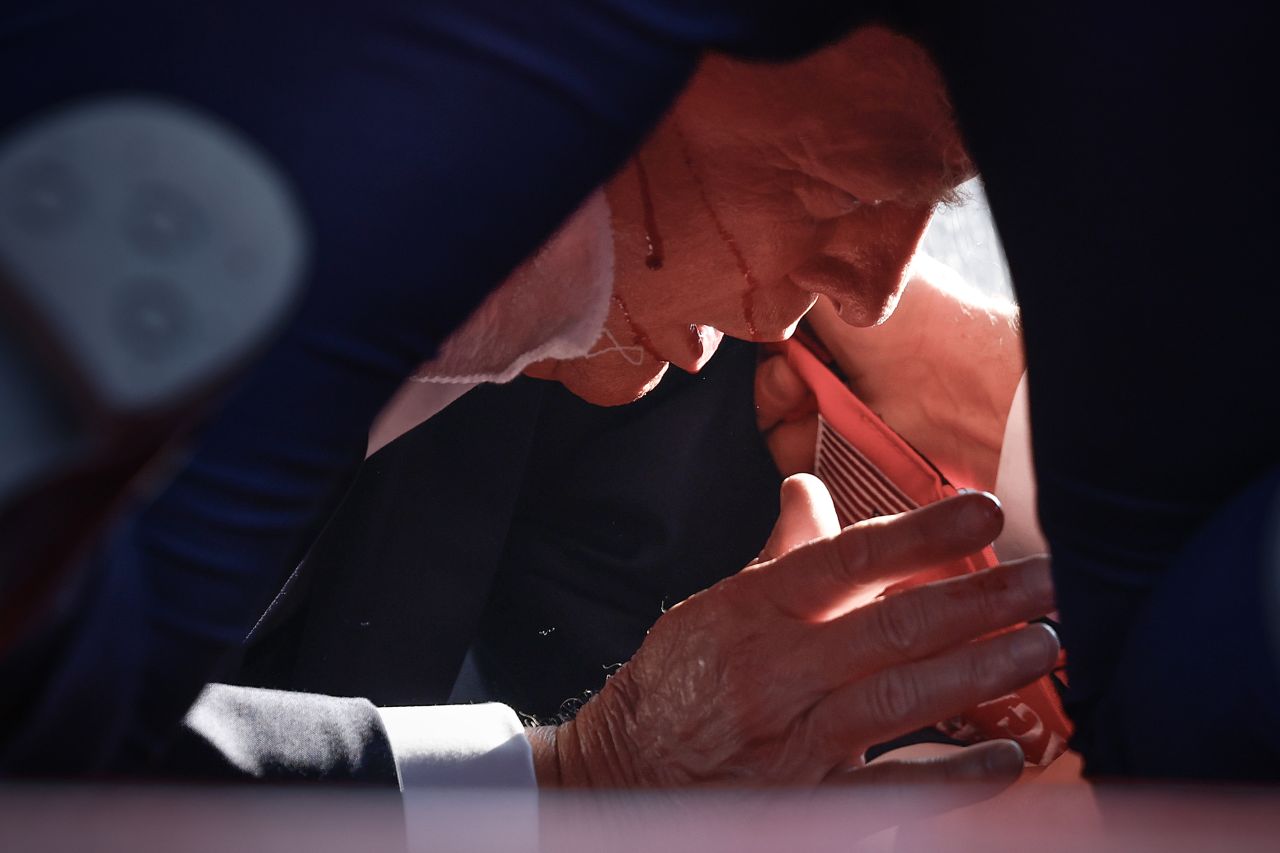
<point x="543" y="532"/>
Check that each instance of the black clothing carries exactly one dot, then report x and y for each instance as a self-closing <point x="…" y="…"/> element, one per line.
<point x="1129" y="162"/>
<point x="547" y="532"/>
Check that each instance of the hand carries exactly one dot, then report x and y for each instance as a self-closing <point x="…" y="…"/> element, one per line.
<point x="941" y="371"/>
<point x="785" y="673"/>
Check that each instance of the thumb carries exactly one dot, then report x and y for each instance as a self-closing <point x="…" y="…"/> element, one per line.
<point x="806" y="513"/>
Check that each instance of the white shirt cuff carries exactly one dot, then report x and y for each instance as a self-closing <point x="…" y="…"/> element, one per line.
<point x="459" y="746"/>
<point x="443" y="753"/>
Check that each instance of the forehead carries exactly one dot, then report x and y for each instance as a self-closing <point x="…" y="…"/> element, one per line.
<point x="869" y="114"/>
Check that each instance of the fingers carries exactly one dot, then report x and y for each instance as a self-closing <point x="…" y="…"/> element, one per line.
<point x="818" y="580"/>
<point x="995" y="762"/>
<point x="962" y="777"/>
<point x="806" y="513"/>
<point x="930" y="619"/>
<point x="780" y="392"/>
<point x="904" y="698"/>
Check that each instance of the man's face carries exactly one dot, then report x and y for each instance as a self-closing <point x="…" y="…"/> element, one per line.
<point x="766" y="186"/>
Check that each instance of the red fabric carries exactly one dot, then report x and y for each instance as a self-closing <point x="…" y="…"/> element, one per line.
<point x="871" y="470"/>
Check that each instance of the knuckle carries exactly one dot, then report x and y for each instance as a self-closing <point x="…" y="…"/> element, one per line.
<point x="992" y="602"/>
<point x="899" y="624"/>
<point x="1036" y="584"/>
<point x="855" y="552"/>
<point x="992" y="599"/>
<point x="894" y="696"/>
<point x="988" y="668"/>
<point x="1008" y="586"/>
<point x="733" y="597"/>
<point x="1010" y="594"/>
<point x="837" y="557"/>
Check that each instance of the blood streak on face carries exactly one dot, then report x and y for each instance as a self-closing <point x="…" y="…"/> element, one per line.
<point x="766" y="186"/>
<point x="637" y="333"/>
<point x="653" y="239"/>
<point x="750" y="284"/>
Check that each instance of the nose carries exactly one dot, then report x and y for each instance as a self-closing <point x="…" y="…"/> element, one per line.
<point x="863" y="261"/>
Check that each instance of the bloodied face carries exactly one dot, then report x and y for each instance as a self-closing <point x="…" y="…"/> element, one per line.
<point x="766" y="186"/>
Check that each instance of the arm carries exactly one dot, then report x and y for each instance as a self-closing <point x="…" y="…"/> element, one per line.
<point x="788" y="671"/>
<point x="276" y="736"/>
<point x="782" y="674"/>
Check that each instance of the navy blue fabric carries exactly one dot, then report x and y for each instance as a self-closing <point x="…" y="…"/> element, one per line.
<point x="1129" y="161"/>
<point x="622" y="513"/>
<point x="1198" y="683"/>
<point x="548" y="532"/>
<point x="386" y="602"/>
<point x="432" y="145"/>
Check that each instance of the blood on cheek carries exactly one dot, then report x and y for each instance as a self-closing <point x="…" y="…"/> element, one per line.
<point x="655" y="258"/>
<point x="641" y="337"/>
<point x="752" y="284"/>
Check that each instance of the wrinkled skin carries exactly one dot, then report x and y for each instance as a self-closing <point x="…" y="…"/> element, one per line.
<point x="771" y="185"/>
<point x="942" y="371"/>
<point x="768" y="185"/>
<point x="787" y="672"/>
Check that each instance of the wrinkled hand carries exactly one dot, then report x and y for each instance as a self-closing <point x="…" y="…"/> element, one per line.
<point x="941" y="370"/>
<point x="785" y="673"/>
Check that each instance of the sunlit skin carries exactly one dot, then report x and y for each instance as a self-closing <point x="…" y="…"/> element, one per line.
<point x="941" y="371"/>
<point x="766" y="186"/>
<point x="785" y="673"/>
